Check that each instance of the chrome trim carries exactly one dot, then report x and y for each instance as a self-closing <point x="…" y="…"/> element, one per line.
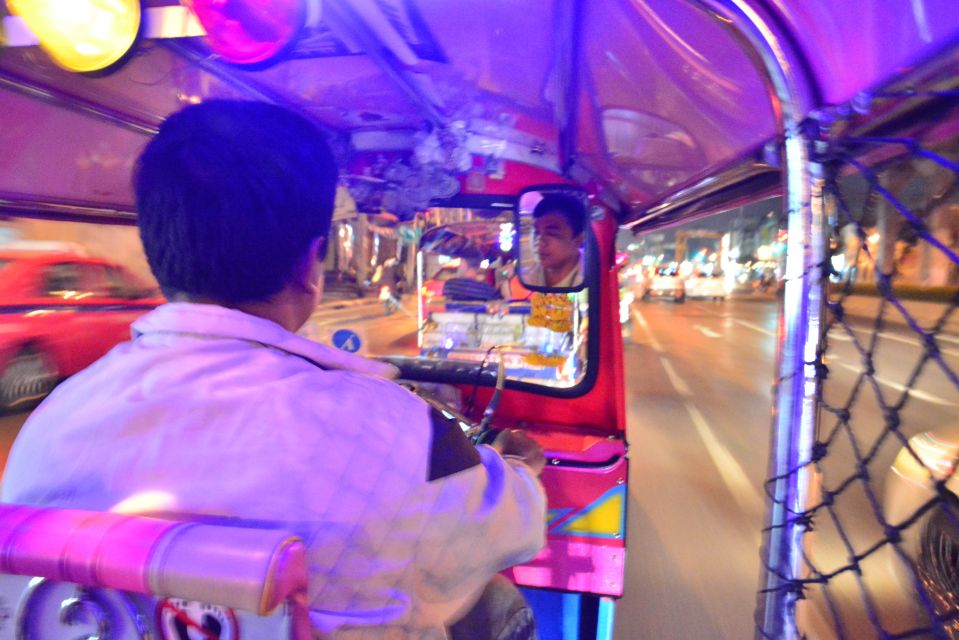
<point x="69" y="608"/>
<point x="99" y="603"/>
<point x="709" y="195"/>
<point x="14" y="204"/>
<point x="66" y="100"/>
<point x="795" y="417"/>
<point x="85" y="599"/>
<point x="23" y="607"/>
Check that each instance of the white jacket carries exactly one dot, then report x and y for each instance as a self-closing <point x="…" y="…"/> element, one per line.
<point x="213" y="411"/>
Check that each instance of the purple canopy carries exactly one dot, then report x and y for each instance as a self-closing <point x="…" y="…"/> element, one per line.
<point x="643" y="98"/>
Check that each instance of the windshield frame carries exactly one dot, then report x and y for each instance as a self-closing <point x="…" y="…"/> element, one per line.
<point x="464" y="372"/>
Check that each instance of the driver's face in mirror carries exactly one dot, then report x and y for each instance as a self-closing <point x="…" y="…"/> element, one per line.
<point x="557" y="242"/>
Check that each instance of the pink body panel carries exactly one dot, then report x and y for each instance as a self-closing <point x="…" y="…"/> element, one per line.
<point x="572" y="565"/>
<point x="576" y="558"/>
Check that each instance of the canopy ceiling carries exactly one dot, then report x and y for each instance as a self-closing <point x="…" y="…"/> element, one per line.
<point x="642" y="98"/>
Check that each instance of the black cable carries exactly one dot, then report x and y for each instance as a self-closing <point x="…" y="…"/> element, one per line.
<point x="479" y="378"/>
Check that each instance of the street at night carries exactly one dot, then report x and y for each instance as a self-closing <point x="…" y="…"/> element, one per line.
<point x="760" y="441"/>
<point x="699" y="378"/>
<point x="699" y="381"/>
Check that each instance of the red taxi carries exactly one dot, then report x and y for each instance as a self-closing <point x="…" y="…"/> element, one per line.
<point x="60" y="311"/>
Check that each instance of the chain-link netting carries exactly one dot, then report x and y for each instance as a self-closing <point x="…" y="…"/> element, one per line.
<point x="880" y="530"/>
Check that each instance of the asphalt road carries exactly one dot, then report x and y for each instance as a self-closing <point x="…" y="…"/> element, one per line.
<point x="699" y="379"/>
<point x="699" y="392"/>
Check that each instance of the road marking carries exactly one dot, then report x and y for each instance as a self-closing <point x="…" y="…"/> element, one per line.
<point x="839" y="337"/>
<point x="678" y="383"/>
<point x="709" y="333"/>
<point x="755" y="327"/>
<point x="653" y="342"/>
<point x="732" y="473"/>
<point x="895" y="338"/>
<point x="916" y="393"/>
<point x="915" y="342"/>
<point x="845" y="337"/>
<point x="940" y="338"/>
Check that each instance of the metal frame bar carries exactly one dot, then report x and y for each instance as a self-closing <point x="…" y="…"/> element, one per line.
<point x="568" y="47"/>
<point x="795" y="409"/>
<point x="24" y="206"/>
<point x="72" y="102"/>
<point x="344" y="20"/>
<point x="234" y="77"/>
<point x="742" y="180"/>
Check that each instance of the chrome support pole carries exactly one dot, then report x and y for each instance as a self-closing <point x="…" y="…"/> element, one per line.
<point x="795" y="412"/>
<point x="795" y="404"/>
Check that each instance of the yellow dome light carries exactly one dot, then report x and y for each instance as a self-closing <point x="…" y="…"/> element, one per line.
<point x="81" y="35"/>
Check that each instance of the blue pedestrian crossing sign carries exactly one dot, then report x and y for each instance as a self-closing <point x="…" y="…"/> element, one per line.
<point x="347" y="340"/>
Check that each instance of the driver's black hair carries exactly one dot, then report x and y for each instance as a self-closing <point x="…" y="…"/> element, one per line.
<point x="230" y="196"/>
<point x="569" y="206"/>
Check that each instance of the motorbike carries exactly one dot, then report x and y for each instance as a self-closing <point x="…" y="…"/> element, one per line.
<point x="391" y="298"/>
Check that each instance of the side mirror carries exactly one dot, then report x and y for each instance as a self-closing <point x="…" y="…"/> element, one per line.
<point x="553" y="225"/>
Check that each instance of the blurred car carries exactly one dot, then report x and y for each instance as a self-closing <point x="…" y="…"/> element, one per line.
<point x="666" y="285"/>
<point x="921" y="499"/>
<point x="60" y="312"/>
<point x="636" y="281"/>
<point x="706" y="287"/>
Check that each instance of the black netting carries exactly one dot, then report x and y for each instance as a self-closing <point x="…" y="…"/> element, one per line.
<point x="880" y="552"/>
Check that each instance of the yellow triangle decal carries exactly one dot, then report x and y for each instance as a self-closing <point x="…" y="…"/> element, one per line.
<point x="605" y="518"/>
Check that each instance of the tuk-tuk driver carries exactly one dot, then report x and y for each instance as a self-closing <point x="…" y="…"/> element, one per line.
<point x="557" y="240"/>
<point x="217" y="407"/>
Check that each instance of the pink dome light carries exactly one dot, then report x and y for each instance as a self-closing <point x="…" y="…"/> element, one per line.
<point x="249" y="31"/>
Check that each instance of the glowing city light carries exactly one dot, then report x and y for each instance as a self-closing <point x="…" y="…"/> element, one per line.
<point x="81" y="35"/>
<point x="506" y="236"/>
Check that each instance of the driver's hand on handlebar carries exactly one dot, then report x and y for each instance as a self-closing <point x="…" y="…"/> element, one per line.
<point x="514" y="442"/>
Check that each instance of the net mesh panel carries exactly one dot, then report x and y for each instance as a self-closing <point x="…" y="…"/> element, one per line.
<point x="881" y="543"/>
